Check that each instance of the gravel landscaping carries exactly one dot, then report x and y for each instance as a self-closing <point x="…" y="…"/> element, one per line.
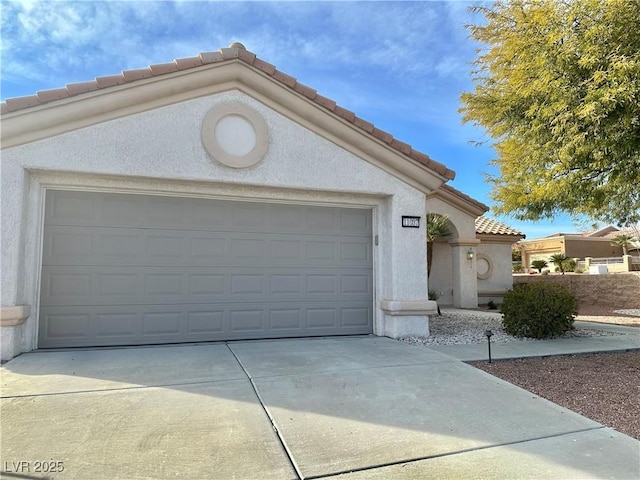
<point x="467" y="327"/>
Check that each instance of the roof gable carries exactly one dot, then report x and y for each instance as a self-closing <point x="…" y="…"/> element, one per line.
<point x="52" y="112"/>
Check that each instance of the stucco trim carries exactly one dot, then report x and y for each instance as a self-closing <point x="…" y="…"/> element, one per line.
<point x="468" y="206"/>
<point x="403" y="308"/>
<point x="487" y="238"/>
<point x="65" y="115"/>
<point x="14" y="316"/>
<point x="464" y="242"/>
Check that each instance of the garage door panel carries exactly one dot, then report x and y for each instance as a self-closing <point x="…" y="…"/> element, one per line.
<point x="136" y="269"/>
<point x="155" y="324"/>
<point x="101" y="209"/>
<point x="132" y="285"/>
<point x="110" y="246"/>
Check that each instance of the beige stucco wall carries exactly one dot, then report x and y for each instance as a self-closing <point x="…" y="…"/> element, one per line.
<point x="500" y="276"/>
<point x="441" y="280"/>
<point x="160" y="151"/>
<point x="618" y="291"/>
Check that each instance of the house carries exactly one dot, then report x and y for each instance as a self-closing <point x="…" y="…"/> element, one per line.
<point x="491" y="262"/>
<point x="595" y="244"/>
<point x="214" y="198"/>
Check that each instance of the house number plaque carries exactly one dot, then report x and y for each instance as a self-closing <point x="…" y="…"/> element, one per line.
<point x="410" y="222"/>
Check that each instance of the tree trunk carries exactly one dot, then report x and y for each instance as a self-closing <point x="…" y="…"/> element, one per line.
<point x="429" y="257"/>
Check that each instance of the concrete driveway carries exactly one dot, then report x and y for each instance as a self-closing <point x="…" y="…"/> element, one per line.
<point x="353" y="408"/>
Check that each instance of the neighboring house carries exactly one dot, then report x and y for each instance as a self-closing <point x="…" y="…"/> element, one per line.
<point x="214" y="198"/>
<point x="595" y="244"/>
<point x="491" y="263"/>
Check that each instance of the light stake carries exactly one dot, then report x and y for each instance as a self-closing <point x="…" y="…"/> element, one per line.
<point x="489" y="334"/>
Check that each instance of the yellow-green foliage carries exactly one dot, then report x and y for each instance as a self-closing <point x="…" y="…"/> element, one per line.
<point x="557" y="87"/>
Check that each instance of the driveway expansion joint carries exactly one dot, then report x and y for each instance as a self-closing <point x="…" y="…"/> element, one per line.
<point x="281" y="440"/>
<point x="116" y="389"/>
<point x="448" y="454"/>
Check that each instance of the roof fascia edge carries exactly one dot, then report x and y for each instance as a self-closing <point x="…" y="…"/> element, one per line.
<point x="65" y="115"/>
<point x="498" y="238"/>
<point x="457" y="202"/>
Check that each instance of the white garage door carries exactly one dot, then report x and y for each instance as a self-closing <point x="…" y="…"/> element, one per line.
<point x="122" y="269"/>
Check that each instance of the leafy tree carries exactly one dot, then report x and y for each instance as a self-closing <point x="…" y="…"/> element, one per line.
<point x="437" y="228"/>
<point x="622" y="241"/>
<point x="539" y="265"/>
<point x="557" y="88"/>
<point x="558" y="260"/>
<point x="516" y="253"/>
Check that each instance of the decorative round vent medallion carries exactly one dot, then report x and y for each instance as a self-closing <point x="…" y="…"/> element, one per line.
<point x="484" y="266"/>
<point x="235" y="135"/>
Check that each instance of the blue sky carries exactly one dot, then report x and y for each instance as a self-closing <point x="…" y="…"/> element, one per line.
<point x="400" y="65"/>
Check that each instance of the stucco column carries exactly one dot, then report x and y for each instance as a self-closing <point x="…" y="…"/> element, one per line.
<point x="464" y="273"/>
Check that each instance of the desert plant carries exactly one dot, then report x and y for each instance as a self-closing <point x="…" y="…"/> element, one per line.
<point x="491" y="305"/>
<point x="433" y="295"/>
<point x="569" y="265"/>
<point x="558" y="259"/>
<point x="623" y="241"/>
<point x="539" y="265"/>
<point x="538" y="310"/>
<point x="517" y="268"/>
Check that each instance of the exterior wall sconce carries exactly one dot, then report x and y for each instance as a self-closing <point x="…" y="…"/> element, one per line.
<point x="470" y="254"/>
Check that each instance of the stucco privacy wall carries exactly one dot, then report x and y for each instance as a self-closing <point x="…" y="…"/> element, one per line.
<point x="160" y="151"/>
<point x="619" y="291"/>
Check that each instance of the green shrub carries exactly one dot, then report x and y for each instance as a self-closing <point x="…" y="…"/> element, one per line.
<point x="491" y="305"/>
<point x="517" y="268"/>
<point x="569" y="265"/>
<point x="539" y="265"/>
<point x="539" y="310"/>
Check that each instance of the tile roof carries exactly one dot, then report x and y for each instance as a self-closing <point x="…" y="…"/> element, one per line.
<point x="466" y="197"/>
<point x="235" y="52"/>
<point x="486" y="225"/>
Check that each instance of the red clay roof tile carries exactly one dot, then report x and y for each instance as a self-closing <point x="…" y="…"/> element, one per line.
<point x="325" y="102"/>
<point x="210" y="57"/>
<point x="305" y="90"/>
<point x="19" y="103"/>
<point x="162" y="68"/>
<point x="246" y="56"/>
<point x="230" y="53"/>
<point x="367" y="126"/>
<point x="190" y="62"/>
<point x="486" y="225"/>
<point x="110" y="81"/>
<point x="386" y="137"/>
<point x="288" y="80"/>
<point x="132" y="75"/>
<point x="265" y="66"/>
<point x="81" y="87"/>
<point x="45" y="96"/>
<point x="344" y="113"/>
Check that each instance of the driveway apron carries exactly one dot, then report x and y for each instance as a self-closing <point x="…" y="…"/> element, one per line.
<point x="349" y="407"/>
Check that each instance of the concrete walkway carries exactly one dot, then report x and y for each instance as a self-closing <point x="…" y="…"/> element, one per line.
<point x="352" y="408"/>
<point x="624" y="338"/>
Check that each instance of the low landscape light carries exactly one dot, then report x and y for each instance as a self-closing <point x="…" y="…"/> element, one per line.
<point x="489" y="334"/>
